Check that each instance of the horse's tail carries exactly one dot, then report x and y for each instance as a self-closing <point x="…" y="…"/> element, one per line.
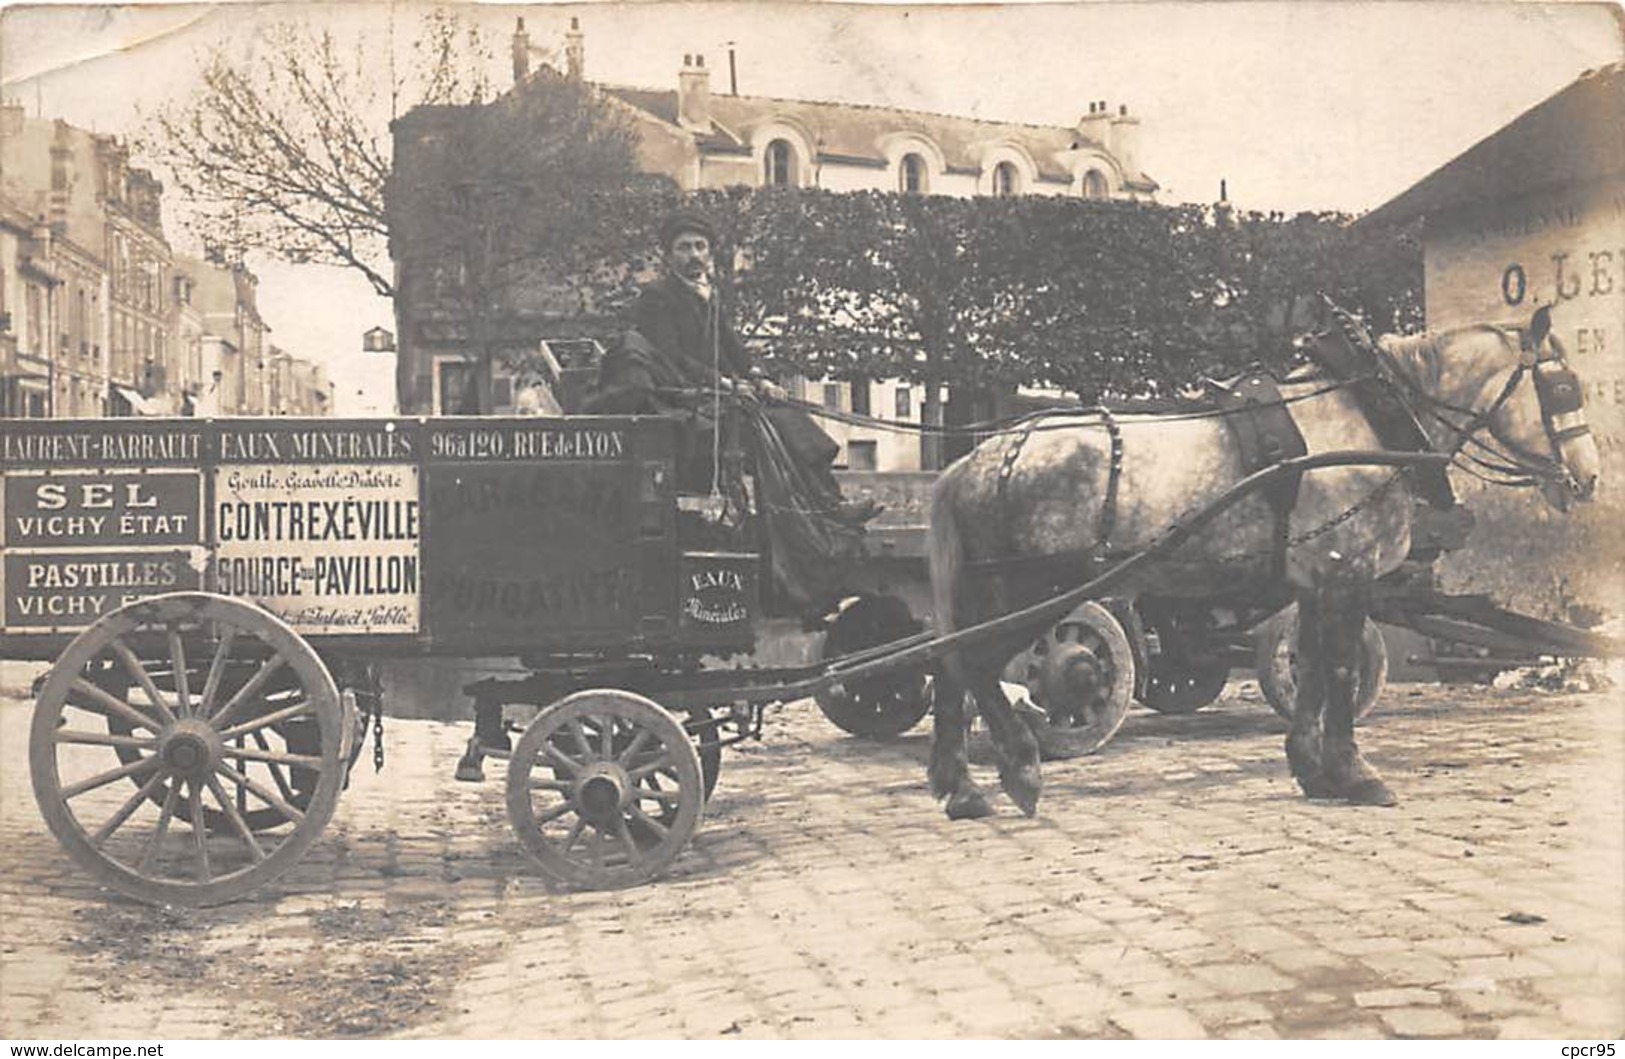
<point x="946" y="552"/>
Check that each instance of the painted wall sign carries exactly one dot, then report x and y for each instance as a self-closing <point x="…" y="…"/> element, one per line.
<point x="328" y="548"/>
<point x="141" y="446"/>
<point x="349" y="443"/>
<point x="1498" y="261"/>
<point x="61" y="589"/>
<point x="524" y="442"/>
<point x="109" y="508"/>
<point x="717" y="594"/>
<point x="532" y="545"/>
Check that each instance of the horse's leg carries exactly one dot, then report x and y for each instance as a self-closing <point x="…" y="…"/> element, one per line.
<point x="1303" y="742"/>
<point x="1014" y="742"/>
<point x="1345" y="603"/>
<point x="949" y="771"/>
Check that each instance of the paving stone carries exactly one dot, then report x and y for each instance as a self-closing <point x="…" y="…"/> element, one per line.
<point x="1242" y="979"/>
<point x="1250" y="1031"/>
<point x="1163" y="1023"/>
<point x="1396" y="998"/>
<point x="829" y="897"/>
<point x="1421" y="1022"/>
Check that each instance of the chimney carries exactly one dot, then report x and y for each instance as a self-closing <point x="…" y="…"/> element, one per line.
<point x="521" y="53"/>
<point x="575" y="51"/>
<point x="733" y="71"/>
<point x="1125" y="143"/>
<point x="694" y="95"/>
<point x="1095" y="126"/>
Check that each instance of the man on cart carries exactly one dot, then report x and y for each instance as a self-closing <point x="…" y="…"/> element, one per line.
<point x="681" y="353"/>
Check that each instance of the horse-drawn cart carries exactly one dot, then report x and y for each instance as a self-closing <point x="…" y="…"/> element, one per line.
<point x="213" y="595"/>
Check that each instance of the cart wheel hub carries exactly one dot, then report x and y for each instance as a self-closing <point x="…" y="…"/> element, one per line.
<point x="1071" y="674"/>
<point x="189" y="750"/>
<point x="603" y="794"/>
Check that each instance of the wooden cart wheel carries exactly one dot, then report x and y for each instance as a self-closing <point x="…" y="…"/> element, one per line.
<point x="881" y="706"/>
<point x="180" y="751"/>
<point x="1277" y="662"/>
<point x="604" y="789"/>
<point x="1081" y="672"/>
<point x="299" y="736"/>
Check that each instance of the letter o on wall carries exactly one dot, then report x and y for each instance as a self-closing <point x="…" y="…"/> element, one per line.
<point x="1514" y="284"/>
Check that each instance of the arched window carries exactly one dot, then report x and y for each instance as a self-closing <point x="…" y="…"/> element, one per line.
<point x="911" y="175"/>
<point x="1006" y="181"/>
<point x="779" y="165"/>
<point x="1094" y="184"/>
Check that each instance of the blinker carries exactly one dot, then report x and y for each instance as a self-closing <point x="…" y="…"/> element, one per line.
<point x="1558" y="389"/>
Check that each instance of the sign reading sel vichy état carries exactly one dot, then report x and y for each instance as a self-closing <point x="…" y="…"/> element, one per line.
<point x="79" y="544"/>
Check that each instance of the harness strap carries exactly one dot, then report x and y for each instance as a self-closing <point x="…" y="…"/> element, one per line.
<point x="1106" y="521"/>
<point x="1007" y="467"/>
<point x="1348" y="353"/>
<point x="1265" y="433"/>
<point x="1108" y="509"/>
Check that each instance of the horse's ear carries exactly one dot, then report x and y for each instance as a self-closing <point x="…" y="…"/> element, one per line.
<point x="1540" y="325"/>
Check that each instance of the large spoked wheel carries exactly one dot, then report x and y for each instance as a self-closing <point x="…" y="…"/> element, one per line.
<point x="884" y="705"/>
<point x="1189" y="667"/>
<point x="1081" y="672"/>
<point x="1277" y="661"/>
<point x="604" y="789"/>
<point x="215" y="812"/>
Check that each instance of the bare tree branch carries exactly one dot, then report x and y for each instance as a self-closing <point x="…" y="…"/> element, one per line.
<point x="289" y="154"/>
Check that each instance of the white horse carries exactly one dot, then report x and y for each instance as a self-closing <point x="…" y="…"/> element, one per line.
<point x="1501" y="396"/>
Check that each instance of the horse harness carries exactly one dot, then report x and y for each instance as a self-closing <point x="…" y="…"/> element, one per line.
<point x="1258" y="419"/>
<point x="1265" y="434"/>
<point x="1350" y="355"/>
<point x="1560" y="399"/>
<point x="1106" y="521"/>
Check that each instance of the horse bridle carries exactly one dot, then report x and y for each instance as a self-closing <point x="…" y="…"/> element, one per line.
<point x="1557" y="393"/>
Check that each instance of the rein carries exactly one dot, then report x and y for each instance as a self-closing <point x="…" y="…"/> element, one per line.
<point x="1510" y="464"/>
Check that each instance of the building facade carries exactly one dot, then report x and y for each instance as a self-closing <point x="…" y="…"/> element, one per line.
<point x="27" y="295"/>
<point x="1534" y="215"/>
<point x="703" y="138"/>
<point x="98" y="316"/>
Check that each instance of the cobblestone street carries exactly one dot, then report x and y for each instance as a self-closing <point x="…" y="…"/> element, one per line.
<point x="1174" y="886"/>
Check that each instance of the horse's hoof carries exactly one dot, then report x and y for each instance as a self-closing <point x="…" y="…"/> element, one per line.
<point x="968" y="805"/>
<point x="1370" y="791"/>
<point x="1023" y="784"/>
<point x="1303" y="756"/>
<point x="1316" y="786"/>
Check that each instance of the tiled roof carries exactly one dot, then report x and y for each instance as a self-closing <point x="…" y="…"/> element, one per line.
<point x="1572" y="137"/>
<point x="854" y="132"/>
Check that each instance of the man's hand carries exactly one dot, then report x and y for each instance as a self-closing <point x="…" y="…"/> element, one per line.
<point x="770" y="390"/>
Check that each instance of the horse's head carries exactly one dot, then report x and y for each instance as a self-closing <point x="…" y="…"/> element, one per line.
<point x="1538" y="415"/>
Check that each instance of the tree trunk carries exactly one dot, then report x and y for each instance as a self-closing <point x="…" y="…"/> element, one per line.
<point x="931" y="419"/>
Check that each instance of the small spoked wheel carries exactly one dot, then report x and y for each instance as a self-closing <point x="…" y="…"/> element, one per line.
<point x="604" y="789"/>
<point x="1277" y="663"/>
<point x="1081" y="672"/>
<point x="1189" y="669"/>
<point x="1180" y="686"/>
<point x="886" y="704"/>
<point x="187" y="749"/>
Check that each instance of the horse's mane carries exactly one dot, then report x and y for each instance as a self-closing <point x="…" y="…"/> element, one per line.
<point x="1424" y="353"/>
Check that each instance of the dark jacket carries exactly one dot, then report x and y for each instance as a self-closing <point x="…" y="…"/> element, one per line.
<point x="685" y="343"/>
<point x="681" y="342"/>
<point x="683" y="326"/>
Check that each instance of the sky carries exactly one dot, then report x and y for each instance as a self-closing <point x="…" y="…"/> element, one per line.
<point x="1294" y="104"/>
